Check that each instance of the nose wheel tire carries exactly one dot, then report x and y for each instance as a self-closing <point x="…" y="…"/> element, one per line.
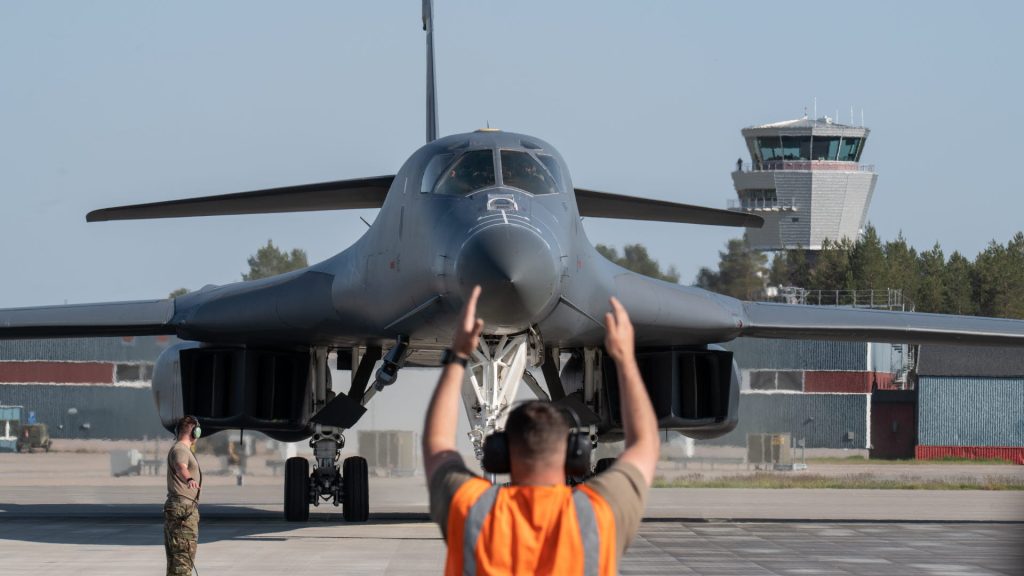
<point x="296" y="489"/>
<point x="356" y="501"/>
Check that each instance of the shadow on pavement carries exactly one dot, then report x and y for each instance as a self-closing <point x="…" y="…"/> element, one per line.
<point x="142" y="524"/>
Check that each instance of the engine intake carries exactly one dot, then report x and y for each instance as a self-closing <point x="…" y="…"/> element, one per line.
<point x="694" y="392"/>
<point x="234" y="388"/>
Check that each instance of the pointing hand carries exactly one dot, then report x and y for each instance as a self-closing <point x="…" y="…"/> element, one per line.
<point x="467" y="332"/>
<point x="619" y="340"/>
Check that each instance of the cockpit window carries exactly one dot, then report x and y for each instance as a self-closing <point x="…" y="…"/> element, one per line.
<point x="472" y="171"/>
<point x="433" y="171"/>
<point x="520" y="170"/>
<point x="552" y="165"/>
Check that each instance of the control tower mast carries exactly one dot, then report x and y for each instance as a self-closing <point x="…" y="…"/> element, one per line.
<point x="805" y="179"/>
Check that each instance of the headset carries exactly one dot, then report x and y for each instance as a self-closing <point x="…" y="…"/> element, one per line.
<point x="197" y="431"/>
<point x="497" y="459"/>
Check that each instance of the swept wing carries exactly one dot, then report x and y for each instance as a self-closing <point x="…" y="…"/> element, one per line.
<point x="337" y="195"/>
<point x="137" y="318"/>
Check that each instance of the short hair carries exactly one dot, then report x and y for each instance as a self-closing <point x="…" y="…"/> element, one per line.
<point x="185" y="424"/>
<point x="536" y="430"/>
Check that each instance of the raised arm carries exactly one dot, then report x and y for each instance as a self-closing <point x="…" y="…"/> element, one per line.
<point x="443" y="413"/>
<point x="638" y="420"/>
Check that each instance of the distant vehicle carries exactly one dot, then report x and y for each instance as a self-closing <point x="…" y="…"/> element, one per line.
<point x="10" y="426"/>
<point x="34" y="437"/>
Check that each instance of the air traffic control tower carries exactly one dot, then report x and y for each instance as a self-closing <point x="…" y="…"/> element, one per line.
<point x="805" y="179"/>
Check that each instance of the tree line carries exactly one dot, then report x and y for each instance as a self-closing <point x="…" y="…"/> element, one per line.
<point x="990" y="285"/>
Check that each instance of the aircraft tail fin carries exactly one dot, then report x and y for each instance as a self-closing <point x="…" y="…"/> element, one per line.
<point x="428" y="26"/>
<point x="338" y="195"/>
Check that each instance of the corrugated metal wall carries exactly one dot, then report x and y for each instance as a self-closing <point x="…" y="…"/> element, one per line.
<point x="823" y="420"/>
<point x="114" y="412"/>
<point x="136" y="349"/>
<point x="1015" y="455"/>
<point x="61" y="372"/>
<point x="968" y="411"/>
<point x="798" y="354"/>
<point x="849" y="382"/>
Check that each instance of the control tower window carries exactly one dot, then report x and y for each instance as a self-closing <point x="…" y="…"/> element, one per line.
<point x="849" y="151"/>
<point x="825" y="148"/>
<point x="770" y="147"/>
<point x="520" y="170"/>
<point x="471" y="172"/>
<point x="796" y="148"/>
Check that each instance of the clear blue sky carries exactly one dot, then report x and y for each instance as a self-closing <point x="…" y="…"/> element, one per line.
<point x="109" y="103"/>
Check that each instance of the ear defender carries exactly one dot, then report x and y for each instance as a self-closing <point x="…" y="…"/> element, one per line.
<point x="197" y="431"/>
<point x="577" y="448"/>
<point x="497" y="460"/>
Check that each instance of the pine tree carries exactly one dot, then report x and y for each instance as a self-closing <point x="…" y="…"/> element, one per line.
<point x="958" y="295"/>
<point x="930" y="282"/>
<point x="741" y="272"/>
<point x="636" y="258"/>
<point x="832" y="271"/>
<point x="271" y="261"/>
<point x="901" y="267"/>
<point x="867" y="262"/>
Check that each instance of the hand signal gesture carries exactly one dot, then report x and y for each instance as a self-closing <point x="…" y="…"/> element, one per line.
<point x="467" y="332"/>
<point x="619" y="338"/>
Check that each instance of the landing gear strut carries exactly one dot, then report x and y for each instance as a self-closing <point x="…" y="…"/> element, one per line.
<point x="347" y="485"/>
<point x="492" y="380"/>
<point x="495" y="371"/>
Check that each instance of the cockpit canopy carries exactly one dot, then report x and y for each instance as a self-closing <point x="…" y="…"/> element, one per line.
<point x="455" y="174"/>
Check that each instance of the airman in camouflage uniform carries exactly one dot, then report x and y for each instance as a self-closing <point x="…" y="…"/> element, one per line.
<point x="181" y="510"/>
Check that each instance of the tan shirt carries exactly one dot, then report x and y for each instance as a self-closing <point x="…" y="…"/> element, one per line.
<point x="622" y="486"/>
<point x="176" y="486"/>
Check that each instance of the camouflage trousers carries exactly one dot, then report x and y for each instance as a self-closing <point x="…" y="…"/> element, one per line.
<point x="181" y="535"/>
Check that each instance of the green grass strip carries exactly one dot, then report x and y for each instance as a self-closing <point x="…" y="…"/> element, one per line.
<point x="856" y="481"/>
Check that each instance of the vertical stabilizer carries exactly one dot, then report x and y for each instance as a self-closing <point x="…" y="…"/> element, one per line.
<point x="428" y="25"/>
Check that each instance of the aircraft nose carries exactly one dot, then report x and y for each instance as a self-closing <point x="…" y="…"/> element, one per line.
<point x="517" y="270"/>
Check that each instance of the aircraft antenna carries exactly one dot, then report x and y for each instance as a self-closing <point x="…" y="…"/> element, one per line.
<point x="428" y="25"/>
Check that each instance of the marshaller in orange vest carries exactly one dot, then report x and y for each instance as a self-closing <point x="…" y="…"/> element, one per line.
<point x="538" y="524"/>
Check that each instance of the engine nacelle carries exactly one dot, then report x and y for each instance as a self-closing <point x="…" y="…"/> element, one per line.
<point x="694" y="391"/>
<point x="235" y="388"/>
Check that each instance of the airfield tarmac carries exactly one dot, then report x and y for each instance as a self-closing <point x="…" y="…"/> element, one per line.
<point x="64" y="514"/>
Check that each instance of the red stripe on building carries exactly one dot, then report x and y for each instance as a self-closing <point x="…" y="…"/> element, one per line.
<point x="1015" y="455"/>
<point x="845" y="382"/>
<point x="59" y="372"/>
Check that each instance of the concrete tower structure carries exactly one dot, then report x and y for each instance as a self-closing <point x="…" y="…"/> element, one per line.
<point x="806" y="181"/>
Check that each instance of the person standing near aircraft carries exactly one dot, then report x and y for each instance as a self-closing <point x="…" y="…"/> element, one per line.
<point x="538" y="524"/>
<point x="181" y="510"/>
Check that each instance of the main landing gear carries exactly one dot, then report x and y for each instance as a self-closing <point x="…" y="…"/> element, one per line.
<point x="348" y="485"/>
